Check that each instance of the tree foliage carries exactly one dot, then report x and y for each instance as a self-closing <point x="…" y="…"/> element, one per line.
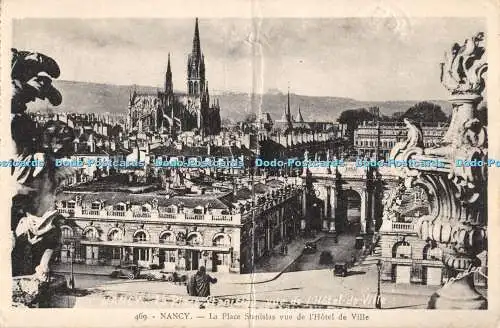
<point x="353" y="117"/>
<point x="425" y="112"/>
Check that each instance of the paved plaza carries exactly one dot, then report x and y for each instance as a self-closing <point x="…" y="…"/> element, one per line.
<point x="294" y="286"/>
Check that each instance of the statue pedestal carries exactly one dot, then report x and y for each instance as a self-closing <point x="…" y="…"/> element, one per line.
<point x="30" y="292"/>
<point x="458" y="294"/>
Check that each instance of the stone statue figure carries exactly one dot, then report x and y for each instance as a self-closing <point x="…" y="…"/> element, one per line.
<point x="34" y="221"/>
<point x="463" y="68"/>
<point x="414" y="138"/>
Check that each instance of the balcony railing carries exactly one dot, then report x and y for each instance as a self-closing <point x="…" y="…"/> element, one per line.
<point x="90" y="212"/>
<point x="195" y="217"/>
<point x="141" y="214"/>
<point x="116" y="213"/>
<point x="403" y="226"/>
<point x="167" y="215"/>
<point x="66" y="210"/>
<point x="227" y="218"/>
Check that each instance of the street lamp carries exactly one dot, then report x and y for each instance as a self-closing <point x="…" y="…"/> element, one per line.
<point x="378" y="301"/>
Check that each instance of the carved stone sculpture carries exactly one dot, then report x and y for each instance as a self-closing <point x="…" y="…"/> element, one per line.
<point x="34" y="223"/>
<point x="457" y="193"/>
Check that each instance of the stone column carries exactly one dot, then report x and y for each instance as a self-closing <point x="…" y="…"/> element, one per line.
<point x="363" y="211"/>
<point x="333" y="207"/>
<point x="282" y="223"/>
<point x="326" y="206"/>
<point x="326" y="201"/>
<point x="373" y="222"/>
<point x="304" y="211"/>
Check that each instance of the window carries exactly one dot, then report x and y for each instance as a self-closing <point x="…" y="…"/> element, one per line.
<point x="167" y="237"/>
<point x="66" y="232"/>
<point x="91" y="234"/>
<point x="222" y="241"/>
<point x="402" y="250"/>
<point x="432" y="253"/>
<point x="115" y="235"/>
<point x="96" y="206"/>
<point x="140" y="236"/>
<point x="143" y="254"/>
<point x="71" y="204"/>
<point x="194" y="239"/>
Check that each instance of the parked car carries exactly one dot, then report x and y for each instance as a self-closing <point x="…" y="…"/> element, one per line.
<point x="310" y="247"/>
<point x="340" y="269"/>
<point x="130" y="271"/>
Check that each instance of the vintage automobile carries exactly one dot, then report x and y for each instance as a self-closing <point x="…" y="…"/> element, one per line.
<point x="310" y="247"/>
<point x="340" y="269"/>
<point x="130" y="271"/>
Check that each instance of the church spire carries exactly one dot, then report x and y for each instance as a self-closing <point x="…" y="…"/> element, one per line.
<point x="196" y="41"/>
<point x="299" y="117"/>
<point x="288" y="114"/>
<point x="168" y="78"/>
<point x="196" y="67"/>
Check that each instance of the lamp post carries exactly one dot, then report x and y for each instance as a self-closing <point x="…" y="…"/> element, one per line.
<point x="72" y="248"/>
<point x="378" y="301"/>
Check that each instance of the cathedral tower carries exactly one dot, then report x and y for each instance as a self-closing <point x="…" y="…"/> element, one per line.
<point x="168" y="103"/>
<point x="196" y="83"/>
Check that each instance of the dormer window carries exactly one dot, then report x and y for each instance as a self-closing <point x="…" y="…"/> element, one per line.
<point x="96" y="205"/>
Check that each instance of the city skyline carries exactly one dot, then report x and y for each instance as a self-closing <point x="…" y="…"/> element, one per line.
<point x="359" y="58"/>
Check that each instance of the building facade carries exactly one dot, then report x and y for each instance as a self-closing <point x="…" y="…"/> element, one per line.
<point x="170" y="113"/>
<point x="370" y="136"/>
<point x="178" y="232"/>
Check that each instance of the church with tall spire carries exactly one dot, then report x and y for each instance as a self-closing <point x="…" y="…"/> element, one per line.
<point x="171" y="113"/>
<point x="287" y="123"/>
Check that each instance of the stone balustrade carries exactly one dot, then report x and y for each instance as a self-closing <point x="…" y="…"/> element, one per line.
<point x="153" y="215"/>
<point x="402" y="226"/>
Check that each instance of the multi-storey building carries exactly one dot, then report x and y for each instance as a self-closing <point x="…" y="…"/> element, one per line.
<point x="382" y="135"/>
<point x="178" y="230"/>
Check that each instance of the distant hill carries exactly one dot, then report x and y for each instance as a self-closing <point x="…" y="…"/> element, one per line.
<point x="102" y="98"/>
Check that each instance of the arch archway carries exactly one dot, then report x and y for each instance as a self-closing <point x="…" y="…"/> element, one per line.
<point x="401" y="249"/>
<point x="348" y="214"/>
<point x="91" y="233"/>
<point x="141" y="235"/>
<point x="194" y="238"/>
<point x="221" y="239"/>
<point x="66" y="232"/>
<point x="432" y="252"/>
<point x="167" y="237"/>
<point x="115" y="234"/>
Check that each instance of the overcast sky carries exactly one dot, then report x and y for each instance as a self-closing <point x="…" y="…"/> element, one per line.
<point x="361" y="58"/>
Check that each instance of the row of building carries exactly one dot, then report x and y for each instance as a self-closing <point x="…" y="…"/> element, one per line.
<point x="178" y="229"/>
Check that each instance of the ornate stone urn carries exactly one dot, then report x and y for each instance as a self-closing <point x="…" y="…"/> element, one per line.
<point x="456" y="178"/>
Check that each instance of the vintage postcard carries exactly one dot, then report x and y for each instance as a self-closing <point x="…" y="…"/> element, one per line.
<point x="249" y="163"/>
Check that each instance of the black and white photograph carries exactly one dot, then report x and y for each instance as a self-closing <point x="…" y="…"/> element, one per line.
<point x="239" y="166"/>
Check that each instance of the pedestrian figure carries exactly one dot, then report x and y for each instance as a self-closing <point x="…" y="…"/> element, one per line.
<point x="286" y="249"/>
<point x="199" y="283"/>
